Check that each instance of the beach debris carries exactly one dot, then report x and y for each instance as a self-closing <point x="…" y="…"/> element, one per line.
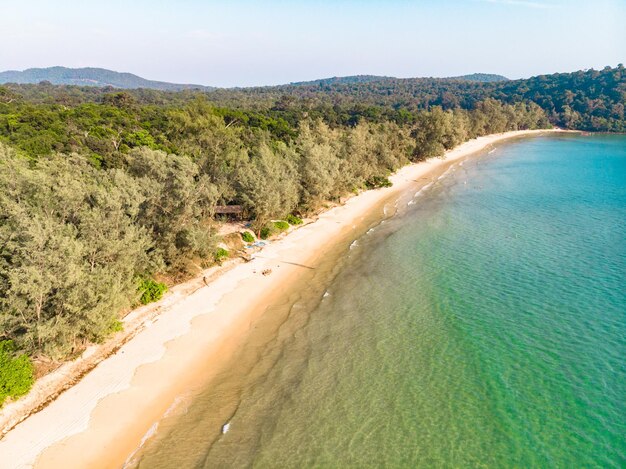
<point x="258" y="244"/>
<point x="266" y="272"/>
<point x="225" y="428"/>
<point x="246" y="257"/>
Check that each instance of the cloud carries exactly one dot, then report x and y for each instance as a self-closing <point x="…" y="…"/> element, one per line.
<point x="522" y="3"/>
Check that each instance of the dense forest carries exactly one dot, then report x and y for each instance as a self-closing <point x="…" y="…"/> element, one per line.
<point x="590" y="100"/>
<point x="105" y="193"/>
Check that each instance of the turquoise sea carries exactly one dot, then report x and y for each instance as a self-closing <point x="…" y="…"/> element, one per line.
<point x="482" y="325"/>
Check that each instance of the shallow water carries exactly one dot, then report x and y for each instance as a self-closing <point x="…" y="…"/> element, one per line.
<point x="483" y="325"/>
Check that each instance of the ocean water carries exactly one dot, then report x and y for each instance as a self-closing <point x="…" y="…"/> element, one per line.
<point x="484" y="325"/>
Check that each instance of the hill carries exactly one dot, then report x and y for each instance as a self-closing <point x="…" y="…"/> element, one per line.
<point x="101" y="77"/>
<point x="358" y="79"/>
<point x="586" y="100"/>
<point x="98" y="77"/>
<point x="353" y="79"/>
<point x="481" y="77"/>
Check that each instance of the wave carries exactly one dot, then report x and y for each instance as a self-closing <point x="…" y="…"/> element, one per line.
<point x="173" y="407"/>
<point x="419" y="192"/>
<point x="225" y="428"/>
<point x="130" y="461"/>
<point x="449" y="170"/>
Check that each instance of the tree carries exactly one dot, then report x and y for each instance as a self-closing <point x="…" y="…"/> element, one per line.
<point x="69" y="252"/>
<point x="318" y="164"/>
<point x="176" y="208"/>
<point x="268" y="182"/>
<point x="429" y="131"/>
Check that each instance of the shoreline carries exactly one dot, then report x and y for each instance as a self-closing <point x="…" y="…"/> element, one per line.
<point x="129" y="391"/>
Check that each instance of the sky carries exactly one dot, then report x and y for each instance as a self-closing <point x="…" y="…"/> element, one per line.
<point x="247" y="43"/>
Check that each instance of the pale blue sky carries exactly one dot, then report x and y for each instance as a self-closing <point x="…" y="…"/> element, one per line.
<point x="241" y="43"/>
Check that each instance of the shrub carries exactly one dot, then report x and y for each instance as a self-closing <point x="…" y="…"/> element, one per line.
<point x="281" y="225"/>
<point x="273" y="228"/>
<point x="116" y="326"/>
<point x="247" y="237"/>
<point x="293" y="220"/>
<point x="266" y="231"/>
<point x="16" y="372"/>
<point x="378" y="181"/>
<point x="220" y="254"/>
<point x="151" y="291"/>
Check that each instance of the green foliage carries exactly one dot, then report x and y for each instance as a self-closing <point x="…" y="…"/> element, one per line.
<point x="116" y="326"/>
<point x="220" y="255"/>
<point x="151" y="290"/>
<point x="378" y="181"/>
<point x="268" y="181"/>
<point x="247" y="237"/>
<point x="16" y="372"/>
<point x="320" y="163"/>
<point x="267" y="231"/>
<point x="281" y="225"/>
<point x="273" y="228"/>
<point x="177" y="204"/>
<point x="293" y="220"/>
<point x="69" y="252"/>
<point x="140" y="138"/>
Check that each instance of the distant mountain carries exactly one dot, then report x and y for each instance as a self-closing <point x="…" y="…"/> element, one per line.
<point x="355" y="79"/>
<point x="98" y="77"/>
<point x="342" y="80"/>
<point x="481" y="77"/>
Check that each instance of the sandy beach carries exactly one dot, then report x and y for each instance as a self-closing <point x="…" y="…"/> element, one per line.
<point x="101" y="420"/>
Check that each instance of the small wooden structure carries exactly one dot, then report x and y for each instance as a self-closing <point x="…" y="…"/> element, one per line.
<point x="232" y="211"/>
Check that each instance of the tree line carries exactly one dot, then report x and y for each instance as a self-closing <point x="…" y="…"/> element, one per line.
<point x="586" y="100"/>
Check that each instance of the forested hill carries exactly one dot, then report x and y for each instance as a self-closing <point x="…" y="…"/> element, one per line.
<point x="341" y="80"/>
<point x="479" y="77"/>
<point x="587" y="100"/>
<point x="100" y="77"/>
<point x="90" y="77"/>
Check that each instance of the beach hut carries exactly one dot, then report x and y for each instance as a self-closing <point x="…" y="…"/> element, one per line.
<point x="234" y="212"/>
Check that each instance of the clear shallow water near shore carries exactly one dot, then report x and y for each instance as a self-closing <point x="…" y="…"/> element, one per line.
<point x="483" y="325"/>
